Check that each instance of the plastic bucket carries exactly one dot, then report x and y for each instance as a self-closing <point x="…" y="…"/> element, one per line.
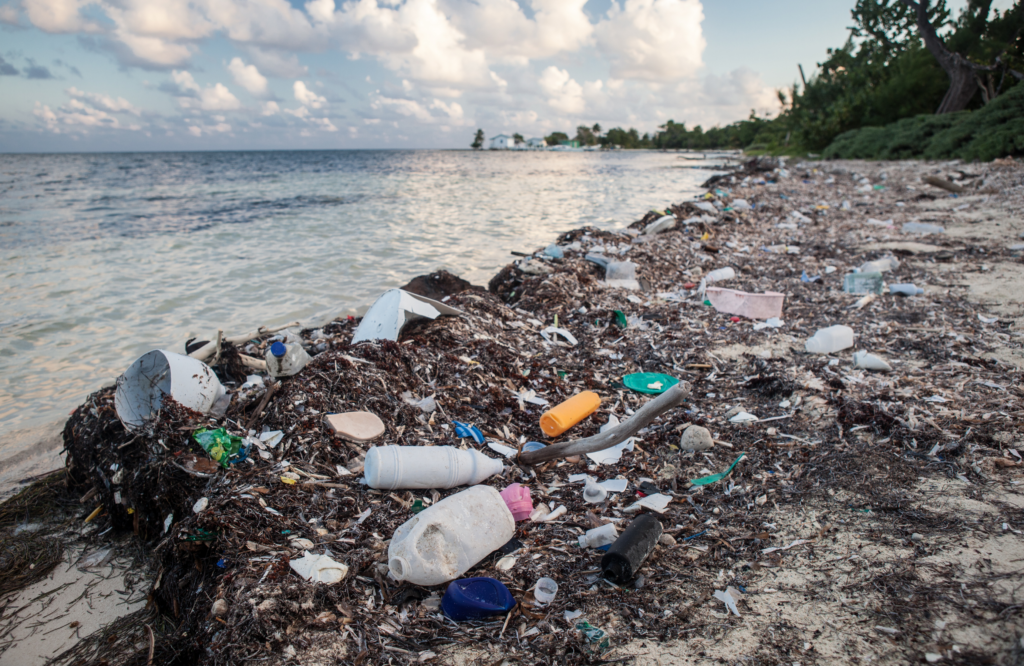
<point x="153" y="376"/>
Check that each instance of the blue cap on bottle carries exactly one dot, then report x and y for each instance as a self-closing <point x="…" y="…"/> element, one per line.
<point x="278" y="349"/>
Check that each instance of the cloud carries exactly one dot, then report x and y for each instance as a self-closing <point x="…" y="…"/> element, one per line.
<point x="248" y="76"/>
<point x="653" y="40"/>
<point x="59" y="15"/>
<point x="85" y="111"/>
<point x="564" y="94"/>
<point x="277" y="63"/>
<point x="7" y="69"/>
<point x="104" y="102"/>
<point x="211" y="98"/>
<point x="307" y="97"/>
<point x="36" y="71"/>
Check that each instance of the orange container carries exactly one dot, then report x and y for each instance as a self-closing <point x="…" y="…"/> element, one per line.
<point x="560" y="418"/>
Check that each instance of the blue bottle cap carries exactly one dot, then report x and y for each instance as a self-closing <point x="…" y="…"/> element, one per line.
<point x="278" y="349"/>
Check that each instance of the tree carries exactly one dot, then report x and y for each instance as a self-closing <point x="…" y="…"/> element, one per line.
<point x="596" y="129"/>
<point x="556" y="138"/>
<point x="478" y="140"/>
<point x="585" y="136"/>
<point x="518" y="138"/>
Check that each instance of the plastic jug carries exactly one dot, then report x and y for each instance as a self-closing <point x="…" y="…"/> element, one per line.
<point x="599" y="536"/>
<point x="420" y="467"/>
<point x="444" y="541"/>
<point x="517" y="499"/>
<point x="476" y="598"/>
<point x="629" y="551"/>
<point x="286" y="360"/>
<point x="831" y="339"/>
<point x="560" y="418"/>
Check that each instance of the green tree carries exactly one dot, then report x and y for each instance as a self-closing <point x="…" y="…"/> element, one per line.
<point x="585" y="136"/>
<point x="596" y="129"/>
<point x="478" y="140"/>
<point x="518" y="138"/>
<point x="556" y="138"/>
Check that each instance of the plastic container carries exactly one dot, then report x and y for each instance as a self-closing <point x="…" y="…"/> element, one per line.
<point x="560" y="418"/>
<point x="286" y="360"/>
<point x="421" y="467"/>
<point x="594" y="493"/>
<point x="517" y="499"/>
<point x="629" y="551"/>
<point x="863" y="283"/>
<point x="831" y="339"/>
<point x="545" y="590"/>
<point x="908" y="289"/>
<point x="158" y="374"/>
<point x="883" y="265"/>
<point x="752" y="306"/>
<point x="476" y="599"/>
<point x="922" y="228"/>
<point x="444" y="541"/>
<point x="599" y="536"/>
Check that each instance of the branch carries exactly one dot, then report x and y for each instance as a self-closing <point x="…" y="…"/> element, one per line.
<point x="673" y="397"/>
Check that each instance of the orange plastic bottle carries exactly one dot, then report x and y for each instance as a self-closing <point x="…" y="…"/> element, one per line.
<point x="560" y="418"/>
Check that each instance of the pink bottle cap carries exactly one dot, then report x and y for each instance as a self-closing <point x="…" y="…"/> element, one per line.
<point x="517" y="498"/>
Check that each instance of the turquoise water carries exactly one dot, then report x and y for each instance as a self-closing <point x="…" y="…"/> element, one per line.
<point x="107" y="256"/>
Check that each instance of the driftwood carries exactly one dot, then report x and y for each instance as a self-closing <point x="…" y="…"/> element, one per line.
<point x="673" y="397"/>
<point x="944" y="184"/>
<point x="213" y="347"/>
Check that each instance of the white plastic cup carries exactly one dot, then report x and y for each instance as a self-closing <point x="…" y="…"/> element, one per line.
<point x="594" y="493"/>
<point x="425" y="467"/>
<point x="545" y="590"/>
<point x="158" y="374"/>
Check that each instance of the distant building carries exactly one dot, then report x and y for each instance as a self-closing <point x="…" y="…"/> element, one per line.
<point x="502" y="142"/>
<point x="536" y="142"/>
<point x="570" y="144"/>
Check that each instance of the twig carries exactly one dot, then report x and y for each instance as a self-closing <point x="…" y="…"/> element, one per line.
<point x="944" y="184"/>
<point x="263" y="403"/>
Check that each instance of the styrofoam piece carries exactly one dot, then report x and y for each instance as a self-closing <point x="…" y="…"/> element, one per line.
<point x="355" y="426"/>
<point x="831" y="339"/>
<point x="158" y="374"/>
<point x="661" y="224"/>
<point x="863" y="359"/>
<point x="393" y="310"/>
<point x="319" y="569"/>
<point x="442" y="542"/>
<point x="742" y="304"/>
<point x="422" y="467"/>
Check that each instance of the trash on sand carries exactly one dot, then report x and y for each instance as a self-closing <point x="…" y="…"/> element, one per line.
<point x="743" y="417"/>
<point x="97" y="558"/>
<point x="987" y="320"/>
<point x="476" y="599"/>
<point x="550" y="332"/>
<point x="696" y="438"/>
<point x="831" y="339"/>
<point x="798" y="542"/>
<point x="569" y="616"/>
<point x="393" y="310"/>
<point x="200" y="505"/>
<point x="656" y="502"/>
<point x="751" y="306"/>
<point x="319" y="569"/>
<point x="611" y="455"/>
<point x="599" y="536"/>
<point x="596" y="639"/>
<point x="703" y="481"/>
<point x="729" y="598"/>
<point x="863" y="359"/>
<point x="804" y="277"/>
<point x="717" y="275"/>
<point x="883" y="265"/>
<point x="498" y="447"/>
<point x="626" y="555"/>
<point x="773" y="322"/>
<point x="561" y="417"/>
<point x="355" y="426"/>
<point x="661" y="224"/>
<point x="468" y="430"/>
<point x="905" y="289"/>
<point x="426" y="405"/>
<point x="594" y="493"/>
<point x="554" y="251"/>
<point x="157" y="375"/>
<point x="552" y="516"/>
<point x="517" y="499"/>
<point x="649" y="382"/>
<point x="285" y="360"/>
<point x="423" y="467"/>
<point x="621" y="274"/>
<point x="271" y="438"/>
<point x="545" y="590"/>
<point x="442" y="542"/>
<point x="862" y="283"/>
<point x="922" y="228"/>
<point x="223" y="447"/>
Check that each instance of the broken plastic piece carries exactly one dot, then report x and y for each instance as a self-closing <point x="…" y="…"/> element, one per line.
<point x="862" y="359"/>
<point x="517" y="499"/>
<point x="468" y="430"/>
<point x="545" y="590"/>
<point x="319" y="569"/>
<point x="393" y="310"/>
<point x="751" y="306"/>
<point x="355" y="426"/>
<point x="729" y="598"/>
<point x="863" y="283"/>
<point x="703" y="481"/>
<point x="612" y="454"/>
<point x="649" y="382"/>
<point x="223" y="448"/>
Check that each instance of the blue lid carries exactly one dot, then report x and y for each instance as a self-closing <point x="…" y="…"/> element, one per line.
<point x="476" y="598"/>
<point x="278" y="349"/>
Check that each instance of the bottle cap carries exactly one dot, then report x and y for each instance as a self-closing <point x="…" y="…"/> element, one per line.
<point x="278" y="349"/>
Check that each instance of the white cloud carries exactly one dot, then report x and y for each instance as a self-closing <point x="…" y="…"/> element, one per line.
<point x="277" y="63"/>
<point x="211" y="98"/>
<point x="653" y="40"/>
<point x="248" y="76"/>
<point x="564" y="94"/>
<point x="307" y="97"/>
<point x="104" y="102"/>
<point x="271" y="108"/>
<point x="59" y="15"/>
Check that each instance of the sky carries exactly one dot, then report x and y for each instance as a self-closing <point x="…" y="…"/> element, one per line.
<point x="112" y="75"/>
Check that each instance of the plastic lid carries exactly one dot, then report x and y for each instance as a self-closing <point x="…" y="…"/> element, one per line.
<point x="476" y="598"/>
<point x="278" y="349"/>
<point x="649" y="382"/>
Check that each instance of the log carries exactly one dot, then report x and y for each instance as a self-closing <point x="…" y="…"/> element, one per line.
<point x="671" y="398"/>
<point x="944" y="184"/>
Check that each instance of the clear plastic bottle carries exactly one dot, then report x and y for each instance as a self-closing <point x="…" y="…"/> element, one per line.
<point x="286" y="360"/>
<point x="831" y="339"/>
<point x="599" y="536"/>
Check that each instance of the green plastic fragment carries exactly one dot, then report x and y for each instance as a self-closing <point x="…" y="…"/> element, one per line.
<point x="201" y="535"/>
<point x="717" y="477"/>
<point x="561" y="374"/>
<point x="596" y="639"/>
<point x="649" y="382"/>
<point x="620" y="319"/>
<point x="417" y="506"/>
<point x="707" y="302"/>
<point x="223" y="448"/>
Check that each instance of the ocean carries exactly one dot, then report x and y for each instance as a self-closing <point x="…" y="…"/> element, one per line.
<point x="107" y="256"/>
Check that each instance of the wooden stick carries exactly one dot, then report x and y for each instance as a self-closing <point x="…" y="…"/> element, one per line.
<point x="673" y="397"/>
<point x="263" y="403"/>
<point x="944" y="184"/>
<point x="207" y="350"/>
<point x="254" y="363"/>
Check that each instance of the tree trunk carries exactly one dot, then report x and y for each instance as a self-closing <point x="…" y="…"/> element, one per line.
<point x="962" y="83"/>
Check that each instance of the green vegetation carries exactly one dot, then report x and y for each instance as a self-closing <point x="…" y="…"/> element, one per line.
<point x="556" y="138"/>
<point x="478" y="140"/>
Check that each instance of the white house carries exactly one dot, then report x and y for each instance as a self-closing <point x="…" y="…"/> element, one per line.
<point x="502" y="142"/>
<point x="537" y="142"/>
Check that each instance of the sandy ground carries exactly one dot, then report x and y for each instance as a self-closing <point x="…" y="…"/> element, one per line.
<point x="29" y="452"/>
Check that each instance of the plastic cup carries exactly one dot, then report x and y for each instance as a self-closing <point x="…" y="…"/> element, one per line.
<point x="545" y="590"/>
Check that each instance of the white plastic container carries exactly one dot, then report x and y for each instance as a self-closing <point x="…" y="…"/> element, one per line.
<point x="831" y="339"/>
<point x="421" y="467"/>
<point x="594" y="493"/>
<point x="545" y="590"/>
<point x="444" y="541"/>
<point x="157" y="374"/>
<point x="286" y="360"/>
<point x="599" y="536"/>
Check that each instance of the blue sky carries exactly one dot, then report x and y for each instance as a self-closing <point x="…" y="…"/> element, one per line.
<point x="251" y="74"/>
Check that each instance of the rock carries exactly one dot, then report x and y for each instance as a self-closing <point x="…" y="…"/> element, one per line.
<point x="696" y="438"/>
<point x="667" y="540"/>
<point x="916" y="538"/>
<point x="219" y="608"/>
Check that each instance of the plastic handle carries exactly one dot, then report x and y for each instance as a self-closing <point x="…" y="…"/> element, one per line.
<point x="560" y="418"/>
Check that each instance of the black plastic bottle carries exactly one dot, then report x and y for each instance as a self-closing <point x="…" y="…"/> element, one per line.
<point x="629" y="551"/>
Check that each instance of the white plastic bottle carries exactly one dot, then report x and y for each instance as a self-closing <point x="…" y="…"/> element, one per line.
<point x="421" y="467"/>
<point x="286" y="360"/>
<point x="831" y="339"/>
<point x="717" y="275"/>
<point x="599" y="536"/>
<point x="444" y="541"/>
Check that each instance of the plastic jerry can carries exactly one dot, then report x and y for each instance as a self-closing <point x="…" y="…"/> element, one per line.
<point x="391" y="467"/>
<point x="286" y="360"/>
<point x="444" y="541"/>
<point x="476" y="598"/>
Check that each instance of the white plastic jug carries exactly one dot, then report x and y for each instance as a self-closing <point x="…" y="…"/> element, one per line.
<point x="831" y="339"/>
<point x="419" y="467"/>
<point x="286" y="360"/>
<point x="444" y="541"/>
<point x="599" y="536"/>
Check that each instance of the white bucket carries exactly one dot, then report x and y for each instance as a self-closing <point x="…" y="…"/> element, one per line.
<point x="156" y="374"/>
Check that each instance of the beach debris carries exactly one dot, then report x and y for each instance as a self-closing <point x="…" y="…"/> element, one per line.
<point x="696" y="438"/>
<point x="612" y="454"/>
<point x="599" y="536"/>
<point x="517" y="499"/>
<point x="426" y="467"/>
<point x="158" y="375"/>
<point x="544" y="590"/>
<point x="729" y="598"/>
<point x="752" y="306"/>
<point x="703" y="481"/>
<point x="661" y="224"/>
<point x="355" y="426"/>
<point x="862" y="283"/>
<point x="476" y="599"/>
<point x="772" y="322"/>
<point x="627" y="554"/>
<point x="905" y="289"/>
<point x="285" y="360"/>
<point x="222" y="447"/>
<point x="742" y="417"/>
<point x="922" y="228"/>
<point x="201" y="505"/>
<point x="563" y="416"/>
<point x="649" y="382"/>
<point x="550" y="332"/>
<point x="883" y="265"/>
<point x="831" y="339"/>
<point x="426" y="405"/>
<point x="621" y="275"/>
<point x="594" y="493"/>
<point x="393" y="310"/>
<point x="319" y="569"/>
<point x="863" y="359"/>
<point x="467" y="430"/>
<point x="715" y="276"/>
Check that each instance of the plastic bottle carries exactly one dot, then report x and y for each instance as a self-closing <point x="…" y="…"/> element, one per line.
<point x="560" y="418"/>
<point x="599" y="536"/>
<point x="863" y="283"/>
<point x="831" y="339"/>
<point x="517" y="499"/>
<point x="420" y="467"/>
<point x="594" y="493"/>
<point x="286" y="360"/>
<point x="444" y="541"/>
<point x="908" y="289"/>
<point x="717" y="275"/>
<point x="883" y="265"/>
<point x="476" y="598"/>
<point x="629" y="551"/>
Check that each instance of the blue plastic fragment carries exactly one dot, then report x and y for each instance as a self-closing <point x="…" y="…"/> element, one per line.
<point x="532" y="446"/>
<point x="476" y="599"/>
<point x="694" y="536"/>
<point x="467" y="430"/>
<point x="805" y="278"/>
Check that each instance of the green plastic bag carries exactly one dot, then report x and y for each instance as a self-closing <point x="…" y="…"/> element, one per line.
<point x="224" y="448"/>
